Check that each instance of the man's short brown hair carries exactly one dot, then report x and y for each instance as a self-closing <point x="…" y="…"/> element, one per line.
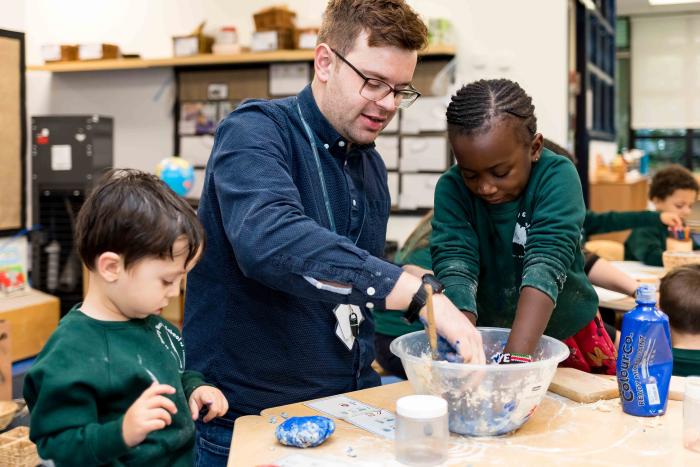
<point x="680" y="299"/>
<point x="387" y="22"/>
<point x="669" y="179"/>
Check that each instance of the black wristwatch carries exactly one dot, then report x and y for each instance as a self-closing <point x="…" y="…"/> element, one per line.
<point x="420" y="298"/>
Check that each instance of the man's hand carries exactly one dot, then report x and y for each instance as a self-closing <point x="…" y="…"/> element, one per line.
<point x="416" y="270"/>
<point x="457" y="330"/>
<point x="150" y="412"/>
<point x="210" y="397"/>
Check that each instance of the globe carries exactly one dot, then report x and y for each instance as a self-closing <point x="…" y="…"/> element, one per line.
<point x="177" y="173"/>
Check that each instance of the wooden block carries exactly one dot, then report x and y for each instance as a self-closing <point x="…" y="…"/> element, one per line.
<point x="32" y="318"/>
<point x="583" y="387"/>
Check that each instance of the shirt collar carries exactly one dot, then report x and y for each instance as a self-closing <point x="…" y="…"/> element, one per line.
<point x="327" y="135"/>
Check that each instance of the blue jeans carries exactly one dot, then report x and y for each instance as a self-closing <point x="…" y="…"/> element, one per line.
<point x="212" y="442"/>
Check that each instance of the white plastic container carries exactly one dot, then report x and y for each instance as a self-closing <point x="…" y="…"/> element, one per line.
<point x="422" y="434"/>
<point x="691" y="414"/>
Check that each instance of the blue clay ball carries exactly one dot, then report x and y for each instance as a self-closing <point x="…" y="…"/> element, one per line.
<point x="305" y="432"/>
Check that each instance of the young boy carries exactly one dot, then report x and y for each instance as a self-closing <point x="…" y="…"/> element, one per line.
<point x="109" y="387"/>
<point x="680" y="301"/>
<point x="673" y="189"/>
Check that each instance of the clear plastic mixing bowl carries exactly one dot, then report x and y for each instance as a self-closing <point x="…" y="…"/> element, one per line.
<point x="483" y="400"/>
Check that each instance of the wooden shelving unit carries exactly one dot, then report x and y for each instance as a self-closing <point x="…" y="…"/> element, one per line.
<point x="197" y="60"/>
<point x="595" y="65"/>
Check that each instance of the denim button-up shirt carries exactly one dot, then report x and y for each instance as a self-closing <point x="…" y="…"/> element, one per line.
<point x="255" y="325"/>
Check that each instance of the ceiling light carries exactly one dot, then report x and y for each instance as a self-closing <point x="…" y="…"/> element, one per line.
<point x="671" y="2"/>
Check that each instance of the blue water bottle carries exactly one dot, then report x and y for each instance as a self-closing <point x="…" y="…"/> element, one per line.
<point x="644" y="359"/>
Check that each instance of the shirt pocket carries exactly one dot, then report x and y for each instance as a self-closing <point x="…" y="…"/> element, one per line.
<point x="373" y="236"/>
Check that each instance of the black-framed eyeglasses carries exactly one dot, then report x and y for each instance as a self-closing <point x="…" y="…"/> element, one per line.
<point x="375" y="89"/>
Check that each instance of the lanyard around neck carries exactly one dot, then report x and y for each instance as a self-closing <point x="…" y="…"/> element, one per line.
<point x="312" y="143"/>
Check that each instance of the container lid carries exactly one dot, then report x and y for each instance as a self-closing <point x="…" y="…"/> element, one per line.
<point x="646" y="293"/>
<point x="692" y="387"/>
<point x="420" y="406"/>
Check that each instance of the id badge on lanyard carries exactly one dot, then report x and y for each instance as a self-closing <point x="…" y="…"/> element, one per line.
<point x="348" y="317"/>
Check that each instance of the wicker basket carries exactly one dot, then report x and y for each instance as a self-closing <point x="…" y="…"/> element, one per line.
<point x="8" y="409"/>
<point x="16" y="449"/>
<point x="274" y="18"/>
<point x="673" y="259"/>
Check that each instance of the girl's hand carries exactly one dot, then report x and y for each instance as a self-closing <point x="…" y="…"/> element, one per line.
<point x="210" y="397"/>
<point x="457" y="329"/>
<point x="150" y="412"/>
<point x="671" y="219"/>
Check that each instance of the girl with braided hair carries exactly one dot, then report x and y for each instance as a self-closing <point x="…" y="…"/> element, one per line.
<point x="507" y="230"/>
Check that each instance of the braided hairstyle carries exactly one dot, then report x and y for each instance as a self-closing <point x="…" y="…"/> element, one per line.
<point x="477" y="105"/>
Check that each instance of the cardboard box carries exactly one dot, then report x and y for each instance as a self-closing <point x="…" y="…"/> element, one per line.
<point x="426" y="114"/>
<point x="32" y="318"/>
<point x="265" y="41"/>
<point x="388" y="148"/>
<point x="5" y="362"/>
<point x="419" y="153"/>
<point x="98" y="51"/>
<point x="59" y="53"/>
<point x="192" y="44"/>
<point x="418" y="190"/>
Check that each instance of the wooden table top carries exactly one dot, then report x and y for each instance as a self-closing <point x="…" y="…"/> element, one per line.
<point x="561" y="432"/>
<point x="638" y="271"/>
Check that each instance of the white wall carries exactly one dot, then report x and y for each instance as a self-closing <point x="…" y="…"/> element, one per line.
<point x="521" y="40"/>
<point x="13" y="15"/>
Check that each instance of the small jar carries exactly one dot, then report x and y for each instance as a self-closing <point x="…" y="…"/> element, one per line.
<point x="422" y="433"/>
<point x="227" y="35"/>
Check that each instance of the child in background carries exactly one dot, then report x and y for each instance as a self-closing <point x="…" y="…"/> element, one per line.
<point x="109" y="387"/>
<point x="680" y="300"/>
<point x="673" y="189"/>
<point x="599" y="271"/>
<point x="507" y="230"/>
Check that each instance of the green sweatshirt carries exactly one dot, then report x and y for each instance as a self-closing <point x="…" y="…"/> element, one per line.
<point x="484" y="254"/>
<point x="613" y="221"/>
<point x="87" y="376"/>
<point x="686" y="362"/>
<point x="648" y="244"/>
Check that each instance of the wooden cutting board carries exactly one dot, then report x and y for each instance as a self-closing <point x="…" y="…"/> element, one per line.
<point x="585" y="387"/>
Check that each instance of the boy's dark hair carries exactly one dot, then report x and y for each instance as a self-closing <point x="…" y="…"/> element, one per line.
<point x="477" y="105"/>
<point x="669" y="179"/>
<point x="136" y="215"/>
<point x="680" y="300"/>
<point x="387" y="22"/>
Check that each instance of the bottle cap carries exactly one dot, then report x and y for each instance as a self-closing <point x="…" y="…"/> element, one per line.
<point x="420" y="406"/>
<point x="646" y="293"/>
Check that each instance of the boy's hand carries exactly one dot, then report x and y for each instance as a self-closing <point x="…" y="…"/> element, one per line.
<point x="210" y="397"/>
<point x="150" y="412"/>
<point x="671" y="219"/>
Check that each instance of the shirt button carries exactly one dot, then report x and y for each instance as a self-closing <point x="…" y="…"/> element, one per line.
<point x="341" y="144"/>
<point x="369" y="305"/>
<point x="354" y="202"/>
<point x="371" y="291"/>
<point x="326" y="146"/>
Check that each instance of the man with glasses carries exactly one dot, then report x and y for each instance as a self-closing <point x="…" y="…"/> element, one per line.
<point x="295" y="206"/>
